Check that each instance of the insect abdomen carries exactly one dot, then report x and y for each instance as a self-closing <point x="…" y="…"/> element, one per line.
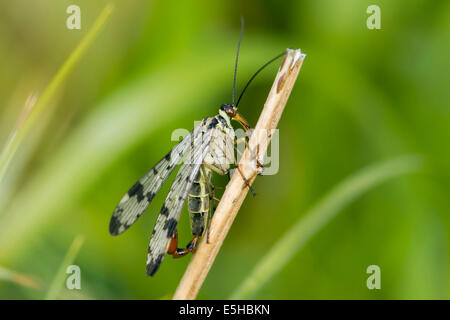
<point x="198" y="204"/>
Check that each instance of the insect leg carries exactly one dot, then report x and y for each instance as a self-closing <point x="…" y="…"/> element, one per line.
<point x="245" y="180"/>
<point x="222" y="172"/>
<point x="247" y="183"/>
<point x="215" y="169"/>
<point x="192" y="245"/>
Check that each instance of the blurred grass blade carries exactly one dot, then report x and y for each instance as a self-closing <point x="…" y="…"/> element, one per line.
<point x="19" y="278"/>
<point x="322" y="213"/>
<point x="70" y="257"/>
<point x="22" y="159"/>
<point x="48" y="94"/>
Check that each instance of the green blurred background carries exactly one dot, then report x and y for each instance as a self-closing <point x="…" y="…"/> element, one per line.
<point x="363" y="96"/>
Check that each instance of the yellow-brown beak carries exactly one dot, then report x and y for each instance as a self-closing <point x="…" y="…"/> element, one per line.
<point x="238" y="117"/>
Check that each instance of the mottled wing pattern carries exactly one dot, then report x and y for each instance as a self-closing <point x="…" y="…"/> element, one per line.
<point x="138" y="198"/>
<point x="170" y="212"/>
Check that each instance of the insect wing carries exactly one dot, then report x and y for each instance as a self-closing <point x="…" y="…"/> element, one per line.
<point x="138" y="198"/>
<point x="170" y="212"/>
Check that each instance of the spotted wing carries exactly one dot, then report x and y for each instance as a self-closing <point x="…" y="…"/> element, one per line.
<point x="170" y="212"/>
<point x="138" y="198"/>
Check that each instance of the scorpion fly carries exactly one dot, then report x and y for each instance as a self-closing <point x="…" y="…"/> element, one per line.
<point x="208" y="148"/>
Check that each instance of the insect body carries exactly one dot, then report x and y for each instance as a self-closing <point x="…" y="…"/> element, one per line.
<point x="208" y="148"/>
<point x="199" y="197"/>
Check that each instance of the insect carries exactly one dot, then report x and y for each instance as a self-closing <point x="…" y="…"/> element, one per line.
<point x="208" y="148"/>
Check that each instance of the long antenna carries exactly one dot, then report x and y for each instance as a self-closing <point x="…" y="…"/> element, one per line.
<point x="256" y="73"/>
<point x="237" y="58"/>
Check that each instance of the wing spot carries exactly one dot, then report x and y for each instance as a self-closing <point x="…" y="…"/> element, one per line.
<point x="170" y="225"/>
<point x="114" y="225"/>
<point x="150" y="195"/>
<point x="138" y="190"/>
<point x="153" y="266"/>
<point x="164" y="211"/>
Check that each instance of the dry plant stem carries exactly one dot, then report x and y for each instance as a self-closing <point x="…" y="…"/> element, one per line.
<point x="236" y="189"/>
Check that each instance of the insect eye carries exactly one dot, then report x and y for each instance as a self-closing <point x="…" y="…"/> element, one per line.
<point x="230" y="111"/>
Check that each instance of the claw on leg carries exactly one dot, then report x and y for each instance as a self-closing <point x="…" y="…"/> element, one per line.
<point x="192" y="245"/>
